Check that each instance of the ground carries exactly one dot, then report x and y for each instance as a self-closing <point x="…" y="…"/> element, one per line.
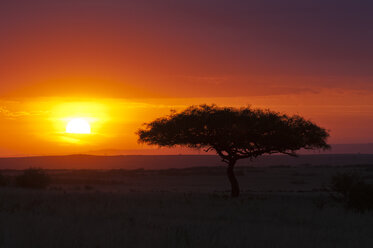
<point x="279" y="207"/>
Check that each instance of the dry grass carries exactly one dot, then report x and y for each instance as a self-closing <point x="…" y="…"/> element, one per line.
<point x="32" y="218"/>
<point x="182" y="209"/>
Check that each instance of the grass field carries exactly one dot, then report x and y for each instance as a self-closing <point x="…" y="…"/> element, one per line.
<point x="279" y="207"/>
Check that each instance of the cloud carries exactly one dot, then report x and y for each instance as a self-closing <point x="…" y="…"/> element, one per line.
<point x="4" y="111"/>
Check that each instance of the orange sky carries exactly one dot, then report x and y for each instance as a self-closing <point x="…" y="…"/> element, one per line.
<point x="125" y="63"/>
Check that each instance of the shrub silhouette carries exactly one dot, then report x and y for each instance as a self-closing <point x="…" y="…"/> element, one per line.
<point x="350" y="190"/>
<point x="33" y="178"/>
<point x="234" y="133"/>
<point x="3" y="180"/>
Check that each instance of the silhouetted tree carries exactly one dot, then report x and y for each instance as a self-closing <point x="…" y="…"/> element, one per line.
<point x="234" y="133"/>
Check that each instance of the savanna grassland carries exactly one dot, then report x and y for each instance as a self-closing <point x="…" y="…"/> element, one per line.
<point x="279" y="207"/>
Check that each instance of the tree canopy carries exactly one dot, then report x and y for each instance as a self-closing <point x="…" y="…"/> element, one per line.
<point x="235" y="133"/>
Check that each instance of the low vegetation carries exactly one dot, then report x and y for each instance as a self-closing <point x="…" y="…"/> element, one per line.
<point x="279" y="207"/>
<point x="82" y="219"/>
<point x="351" y="190"/>
<point x="3" y="180"/>
<point x="34" y="178"/>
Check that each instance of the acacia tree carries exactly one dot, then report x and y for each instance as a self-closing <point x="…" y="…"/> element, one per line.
<point x="234" y="133"/>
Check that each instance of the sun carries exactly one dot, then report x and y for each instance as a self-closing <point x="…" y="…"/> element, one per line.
<point x="78" y="125"/>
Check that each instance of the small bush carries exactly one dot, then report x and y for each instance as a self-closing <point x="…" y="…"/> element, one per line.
<point x="3" y="180"/>
<point x="33" y="178"/>
<point x="350" y="190"/>
<point x="320" y="202"/>
<point x="88" y="187"/>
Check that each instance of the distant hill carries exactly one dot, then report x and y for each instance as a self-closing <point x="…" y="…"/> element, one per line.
<point x="347" y="149"/>
<point x="174" y="161"/>
<point x="366" y="148"/>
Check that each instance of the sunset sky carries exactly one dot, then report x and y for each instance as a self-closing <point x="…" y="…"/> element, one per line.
<point x="118" y="64"/>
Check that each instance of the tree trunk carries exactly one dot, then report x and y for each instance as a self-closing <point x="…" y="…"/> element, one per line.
<point x="232" y="179"/>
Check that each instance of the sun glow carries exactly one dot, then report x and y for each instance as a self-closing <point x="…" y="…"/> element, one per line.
<point x="78" y="125"/>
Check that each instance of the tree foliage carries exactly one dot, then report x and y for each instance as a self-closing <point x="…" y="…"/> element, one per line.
<point x="235" y="133"/>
